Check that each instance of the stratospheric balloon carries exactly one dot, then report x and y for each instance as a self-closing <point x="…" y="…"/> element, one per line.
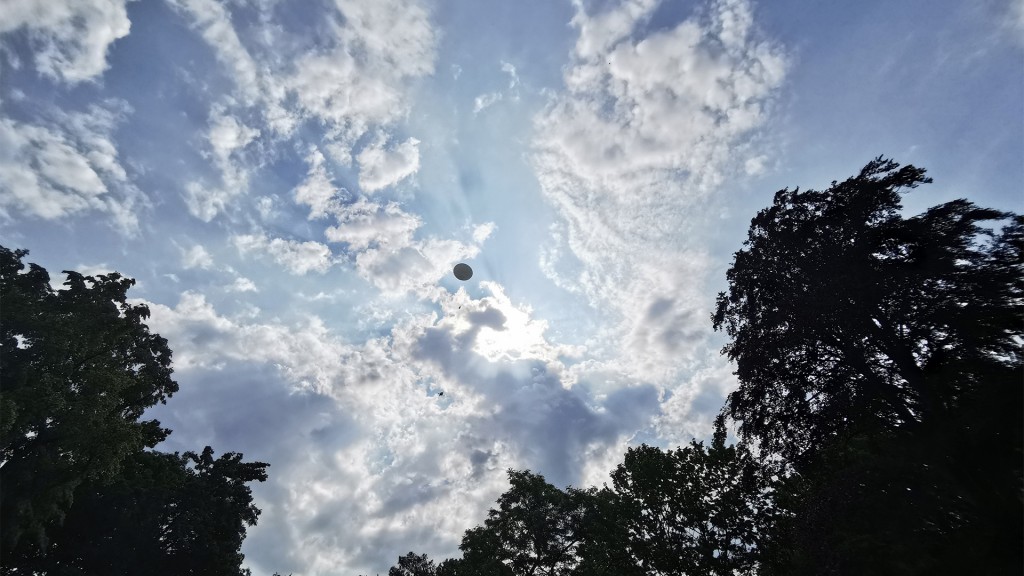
<point x="463" y="271"/>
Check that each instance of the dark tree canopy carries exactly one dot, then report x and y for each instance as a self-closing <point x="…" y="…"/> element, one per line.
<point x="79" y="491"/>
<point x="842" y="311"/>
<point x="694" y="510"/>
<point x="79" y="369"/>
<point x="534" y="531"/>
<point x="413" y="565"/>
<point x="881" y="357"/>
<point x="164" y="514"/>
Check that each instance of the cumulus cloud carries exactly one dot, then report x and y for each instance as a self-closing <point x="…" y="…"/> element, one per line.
<point x="197" y="257"/>
<point x="317" y="191"/>
<point x="510" y="69"/>
<point x="66" y="168"/>
<point x="380" y="166"/>
<point x="381" y="239"/>
<point x="415" y="478"/>
<point x="389" y="461"/>
<point x="242" y="284"/>
<point x="227" y="138"/>
<point x="416" y="267"/>
<point x="365" y="223"/>
<point x="352" y="85"/>
<point x="296" y="257"/>
<point x="494" y="357"/>
<point x="360" y="81"/>
<point x="650" y="123"/>
<point x="357" y="81"/>
<point x="70" y="38"/>
<point x="514" y="335"/>
<point x="689" y="411"/>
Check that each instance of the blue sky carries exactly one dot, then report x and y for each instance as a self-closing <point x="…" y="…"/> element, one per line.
<point x="290" y="183"/>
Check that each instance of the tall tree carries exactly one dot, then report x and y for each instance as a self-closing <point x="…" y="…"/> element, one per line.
<point x="535" y="531"/>
<point x="604" y="548"/>
<point x="694" y="510"/>
<point x="841" y="311"/>
<point x="881" y="357"/>
<point x="79" y="368"/>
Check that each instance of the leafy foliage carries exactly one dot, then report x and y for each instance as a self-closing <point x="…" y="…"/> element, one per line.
<point x="841" y="311"/>
<point x="164" y="514"/>
<point x="79" y="369"/>
<point x="413" y="565"/>
<point x="693" y="510"/>
<point x="881" y="357"/>
<point x="535" y="530"/>
<point x="79" y="491"/>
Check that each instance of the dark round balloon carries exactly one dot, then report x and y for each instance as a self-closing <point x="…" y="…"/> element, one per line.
<point x="463" y="272"/>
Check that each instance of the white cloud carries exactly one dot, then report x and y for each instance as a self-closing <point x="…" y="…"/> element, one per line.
<point x="317" y="191"/>
<point x="649" y="125"/>
<point x="510" y="69"/>
<point x="242" y="284"/>
<point x="364" y="223"/>
<point x="66" y="168"/>
<point x="355" y="85"/>
<point x="380" y="237"/>
<point x="213" y="21"/>
<point x="196" y="257"/>
<point x="70" y="38"/>
<point x="484" y="101"/>
<point x="360" y="81"/>
<point x="95" y="269"/>
<point x="691" y="409"/>
<point x="389" y="461"/>
<point x="227" y="135"/>
<point x="415" y="477"/>
<point x="357" y="82"/>
<point x="417" y="267"/>
<point x="296" y="257"/>
<point x="205" y="202"/>
<point x="516" y="337"/>
<point x="202" y="338"/>
<point x="380" y="167"/>
<point x="265" y="207"/>
<point x="227" y="138"/>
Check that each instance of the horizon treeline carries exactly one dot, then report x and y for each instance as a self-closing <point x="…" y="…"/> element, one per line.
<point x="879" y="413"/>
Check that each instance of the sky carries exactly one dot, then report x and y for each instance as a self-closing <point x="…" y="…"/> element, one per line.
<point x="291" y="181"/>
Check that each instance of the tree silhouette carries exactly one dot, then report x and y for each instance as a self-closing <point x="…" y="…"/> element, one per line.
<point x="79" y="369"/>
<point x="80" y="492"/>
<point x="535" y="530"/>
<point x="413" y="565"/>
<point x="881" y="357"/>
<point x="694" y="510"/>
<point x="163" y="514"/>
